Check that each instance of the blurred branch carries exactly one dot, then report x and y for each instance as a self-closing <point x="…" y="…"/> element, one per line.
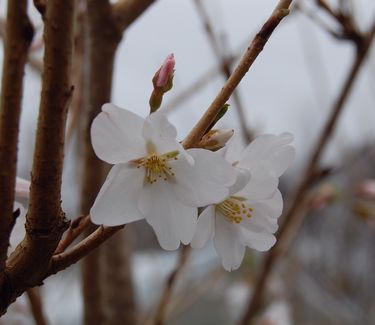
<point x="33" y="294"/>
<point x="225" y="66"/>
<point x="293" y="217"/>
<point x="256" y="46"/>
<point x="126" y="12"/>
<point x="34" y="63"/>
<point x="41" y="6"/>
<point x="349" y="29"/>
<point x="161" y="309"/>
<point x="102" y="39"/>
<point x="18" y="37"/>
<point x="45" y="222"/>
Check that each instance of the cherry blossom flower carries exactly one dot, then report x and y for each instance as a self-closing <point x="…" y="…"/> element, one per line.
<point x="153" y="176"/>
<point x="248" y="216"/>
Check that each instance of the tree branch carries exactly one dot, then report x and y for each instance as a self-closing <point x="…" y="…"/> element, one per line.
<point x="86" y="246"/>
<point x="126" y="12"/>
<point x="256" y="46"/>
<point x="161" y="309"/>
<point x="76" y="228"/>
<point x="33" y="294"/>
<point x="295" y="211"/>
<point x="41" y="6"/>
<point x="18" y="36"/>
<point x="226" y="70"/>
<point x="45" y="220"/>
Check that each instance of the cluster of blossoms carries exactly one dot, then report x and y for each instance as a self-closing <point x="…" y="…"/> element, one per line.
<point x="156" y="179"/>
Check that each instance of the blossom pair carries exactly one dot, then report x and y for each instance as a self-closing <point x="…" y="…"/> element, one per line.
<point x="156" y="179"/>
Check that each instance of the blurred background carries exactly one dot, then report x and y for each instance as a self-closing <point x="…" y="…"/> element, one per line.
<point x="325" y="274"/>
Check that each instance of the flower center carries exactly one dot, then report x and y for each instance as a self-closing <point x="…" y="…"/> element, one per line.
<point x="235" y="209"/>
<point x="157" y="166"/>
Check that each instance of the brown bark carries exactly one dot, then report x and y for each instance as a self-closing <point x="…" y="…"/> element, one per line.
<point x="127" y="11"/>
<point x="19" y="34"/>
<point x="118" y="290"/>
<point x="103" y="39"/>
<point x="46" y="222"/>
<point x="165" y="299"/>
<point x="35" y="300"/>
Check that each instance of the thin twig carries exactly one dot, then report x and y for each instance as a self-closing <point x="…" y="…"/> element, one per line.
<point x="225" y="65"/>
<point x="256" y="46"/>
<point x="18" y="36"/>
<point x="86" y="246"/>
<point x="200" y="82"/>
<point x="76" y="228"/>
<point x="161" y="309"/>
<point x="35" y="299"/>
<point x="292" y="217"/>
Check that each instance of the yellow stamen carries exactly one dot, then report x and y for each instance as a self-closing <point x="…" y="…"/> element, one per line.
<point x="157" y="166"/>
<point x="235" y="209"/>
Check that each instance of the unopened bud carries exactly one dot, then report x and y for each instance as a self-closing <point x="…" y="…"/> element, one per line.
<point x="323" y="196"/>
<point x="22" y="188"/>
<point x="365" y="189"/>
<point x="165" y="73"/>
<point x="162" y="81"/>
<point x="216" y="139"/>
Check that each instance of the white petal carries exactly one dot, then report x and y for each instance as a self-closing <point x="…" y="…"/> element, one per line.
<point x="232" y="151"/>
<point x="260" y="222"/>
<point x="116" y="135"/>
<point x="116" y="203"/>
<point x="158" y="124"/>
<point x="259" y="241"/>
<point x="243" y="178"/>
<point x="226" y="243"/>
<point x="281" y="159"/>
<point x="259" y="189"/>
<point x="171" y="220"/>
<point x="272" y="206"/>
<point x="205" y="227"/>
<point x="268" y="155"/>
<point x="204" y="183"/>
<point x="160" y="133"/>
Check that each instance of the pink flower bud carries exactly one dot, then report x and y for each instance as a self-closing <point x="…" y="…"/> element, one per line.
<point x="323" y="196"/>
<point x="22" y="188"/>
<point x="165" y="72"/>
<point x="365" y="189"/>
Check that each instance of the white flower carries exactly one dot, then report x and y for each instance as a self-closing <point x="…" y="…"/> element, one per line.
<point x="248" y="217"/>
<point x="154" y="177"/>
